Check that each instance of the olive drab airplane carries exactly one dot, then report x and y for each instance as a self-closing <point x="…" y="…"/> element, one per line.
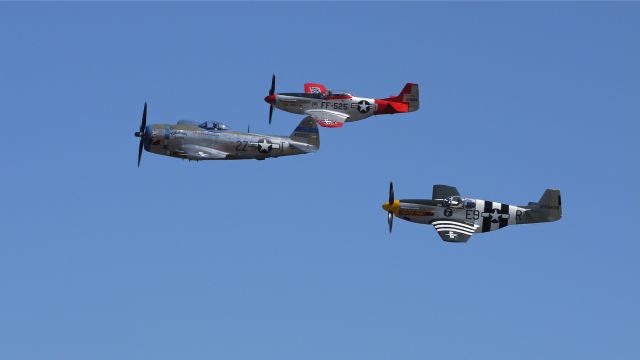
<point x="214" y="141"/>
<point x="334" y="108"/>
<point x="456" y="218"/>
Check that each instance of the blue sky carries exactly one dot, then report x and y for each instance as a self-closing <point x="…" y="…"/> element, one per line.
<point x="290" y="258"/>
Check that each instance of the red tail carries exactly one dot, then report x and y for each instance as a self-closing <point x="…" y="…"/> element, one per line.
<point x="408" y="100"/>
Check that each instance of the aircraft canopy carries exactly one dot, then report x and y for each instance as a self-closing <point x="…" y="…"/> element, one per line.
<point x="213" y="125"/>
<point x="458" y="202"/>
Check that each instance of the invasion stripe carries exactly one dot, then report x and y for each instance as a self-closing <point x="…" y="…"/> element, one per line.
<point x="504" y="220"/>
<point x="468" y="228"/>
<point x="486" y="221"/>
<point x="453" y="222"/>
<point x="455" y="230"/>
<point x="454" y="225"/>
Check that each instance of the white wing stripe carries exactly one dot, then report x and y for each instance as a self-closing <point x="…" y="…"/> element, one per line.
<point x="453" y="222"/>
<point x="467" y="226"/>
<point x="454" y="230"/>
<point x="453" y="226"/>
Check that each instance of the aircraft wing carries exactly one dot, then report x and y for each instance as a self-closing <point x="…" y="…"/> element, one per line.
<point x="328" y="118"/>
<point x="454" y="231"/>
<point x="444" y="191"/>
<point x="197" y="152"/>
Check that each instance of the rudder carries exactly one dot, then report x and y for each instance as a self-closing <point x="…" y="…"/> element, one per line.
<point x="307" y="133"/>
<point x="410" y="94"/>
<point x="548" y="208"/>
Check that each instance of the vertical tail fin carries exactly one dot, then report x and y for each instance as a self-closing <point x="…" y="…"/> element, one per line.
<point x="410" y="94"/>
<point x="307" y="133"/>
<point x="408" y="100"/>
<point x="548" y="208"/>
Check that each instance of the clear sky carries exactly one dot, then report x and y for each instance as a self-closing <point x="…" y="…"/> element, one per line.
<point x="290" y="258"/>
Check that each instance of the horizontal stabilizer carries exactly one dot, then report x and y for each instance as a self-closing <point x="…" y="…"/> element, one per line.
<point x="548" y="208"/>
<point x="408" y="100"/>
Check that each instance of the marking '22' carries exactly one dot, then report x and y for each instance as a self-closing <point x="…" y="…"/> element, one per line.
<point x="241" y="145"/>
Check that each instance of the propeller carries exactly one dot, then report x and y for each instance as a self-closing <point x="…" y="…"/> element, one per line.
<point x="390" y="213"/>
<point x="142" y="133"/>
<point x="272" y="91"/>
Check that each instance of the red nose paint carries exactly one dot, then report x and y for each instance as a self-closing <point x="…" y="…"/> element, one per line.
<point x="270" y="99"/>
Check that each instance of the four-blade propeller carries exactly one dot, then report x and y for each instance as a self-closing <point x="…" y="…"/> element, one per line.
<point x="142" y="133"/>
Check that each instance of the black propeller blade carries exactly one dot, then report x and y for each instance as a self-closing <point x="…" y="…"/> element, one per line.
<point x="272" y="91"/>
<point x="142" y="132"/>
<point x="391" y="200"/>
<point x="143" y="124"/>
<point x="140" y="151"/>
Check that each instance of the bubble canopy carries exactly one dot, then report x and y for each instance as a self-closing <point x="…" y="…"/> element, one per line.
<point x="213" y="125"/>
<point x="208" y="125"/>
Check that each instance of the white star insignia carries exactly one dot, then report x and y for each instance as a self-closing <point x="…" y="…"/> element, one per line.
<point x="263" y="146"/>
<point x="363" y="106"/>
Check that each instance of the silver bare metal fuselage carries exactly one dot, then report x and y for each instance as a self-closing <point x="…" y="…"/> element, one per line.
<point x="484" y="215"/>
<point x="356" y="108"/>
<point x="195" y="143"/>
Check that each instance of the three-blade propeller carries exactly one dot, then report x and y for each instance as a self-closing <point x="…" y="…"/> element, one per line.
<point x="272" y="91"/>
<point x="142" y="133"/>
<point x="391" y="201"/>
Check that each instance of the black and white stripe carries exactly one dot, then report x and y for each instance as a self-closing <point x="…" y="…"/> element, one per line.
<point x="490" y="210"/>
<point x="448" y="225"/>
<point x="486" y="222"/>
<point x="504" y="219"/>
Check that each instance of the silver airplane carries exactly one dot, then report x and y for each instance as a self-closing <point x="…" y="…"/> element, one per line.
<point x="334" y="108"/>
<point x="456" y="218"/>
<point x="214" y="141"/>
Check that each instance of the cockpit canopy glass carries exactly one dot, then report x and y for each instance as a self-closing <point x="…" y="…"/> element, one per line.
<point x="338" y="93"/>
<point x="214" y="125"/>
<point x="453" y="201"/>
<point x="458" y="202"/>
<point x="306" y="95"/>
<point x="469" y="204"/>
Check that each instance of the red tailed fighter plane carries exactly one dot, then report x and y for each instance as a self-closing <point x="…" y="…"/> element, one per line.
<point x="333" y="108"/>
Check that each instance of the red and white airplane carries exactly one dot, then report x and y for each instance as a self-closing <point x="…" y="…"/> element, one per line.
<point x="334" y="108"/>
